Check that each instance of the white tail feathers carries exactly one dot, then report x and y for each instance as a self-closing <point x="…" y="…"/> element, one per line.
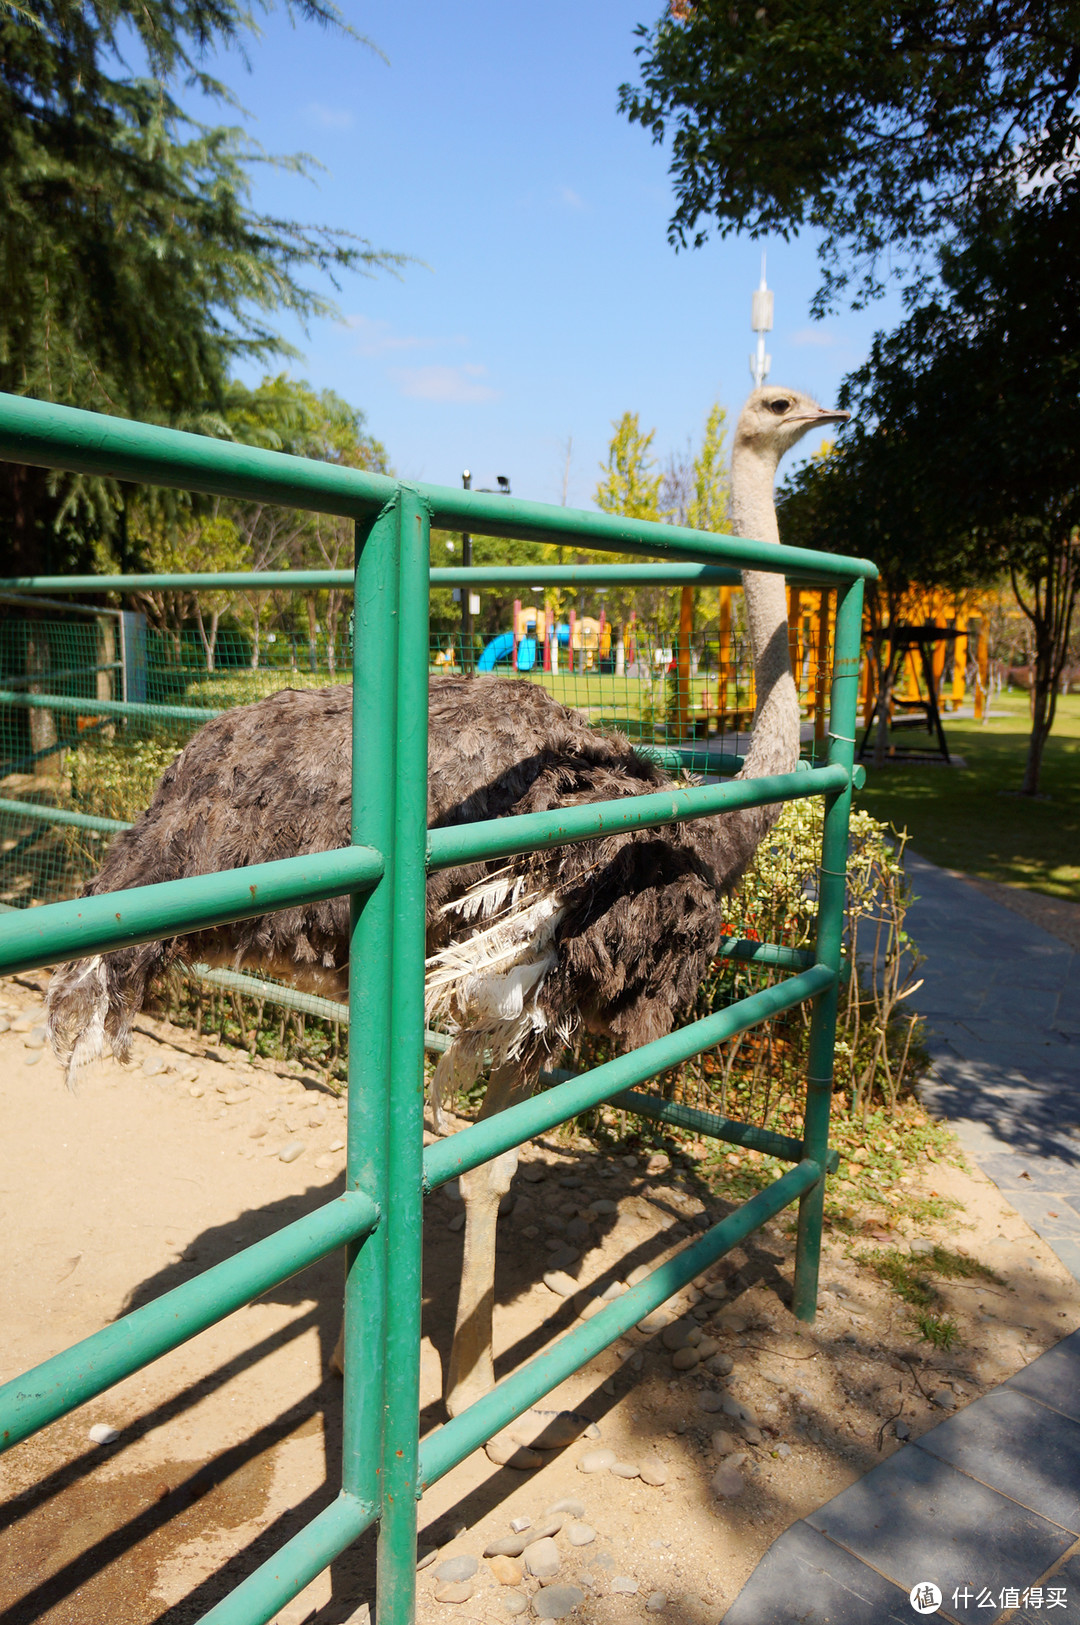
<point x="484" y="989"/>
<point x="76" y="1006"/>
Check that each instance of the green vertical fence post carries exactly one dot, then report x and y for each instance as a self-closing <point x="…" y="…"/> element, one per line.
<point x="374" y="727"/>
<point x="396" y="1586"/>
<point x="830" y="930"/>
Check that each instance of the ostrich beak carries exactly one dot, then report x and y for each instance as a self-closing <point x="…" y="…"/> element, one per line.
<point x="822" y="416"/>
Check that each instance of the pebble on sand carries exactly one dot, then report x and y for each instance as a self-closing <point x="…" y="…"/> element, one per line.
<point x="514" y="1545"/>
<point x="677" y="1334"/>
<point x="710" y="1400"/>
<point x="515" y="1602"/>
<point x="542" y="1558"/>
<point x="462" y="1567"/>
<point x="597" y="1461"/>
<point x="581" y="1534"/>
<point x="653" y="1472"/>
<point x="519" y="1525"/>
<point x="685" y="1359"/>
<point x="557" y="1281"/>
<point x="506" y="1570"/>
<point x="625" y="1469"/>
<point x="556" y="1602"/>
<point x="426" y="1555"/>
<point x="656" y="1602"/>
<point x="454" y="1591"/>
<point x="727" y="1481"/>
<point x="102" y="1433"/>
<point x="291" y="1151"/>
<point x="624" y="1585"/>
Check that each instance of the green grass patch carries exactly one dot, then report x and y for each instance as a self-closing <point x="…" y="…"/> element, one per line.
<point x="911" y="1279"/>
<point x="971" y="819"/>
<point x="940" y="1330"/>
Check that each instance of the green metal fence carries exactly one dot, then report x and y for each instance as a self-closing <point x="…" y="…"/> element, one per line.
<point x="386" y="1468"/>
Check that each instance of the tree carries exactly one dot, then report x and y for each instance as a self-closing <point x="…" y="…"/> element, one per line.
<point x="197" y="542"/>
<point x="135" y="272"/>
<point x="877" y="124"/>
<point x="692" y="490"/>
<point x="696" y="489"/>
<point x="631" y="483"/>
<point x="969" y="419"/>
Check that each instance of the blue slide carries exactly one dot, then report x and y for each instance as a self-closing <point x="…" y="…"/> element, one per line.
<point x="501" y="649"/>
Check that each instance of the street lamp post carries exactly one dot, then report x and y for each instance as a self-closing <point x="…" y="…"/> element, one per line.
<point x="502" y="488"/>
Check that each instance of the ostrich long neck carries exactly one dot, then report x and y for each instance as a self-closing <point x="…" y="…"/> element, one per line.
<point x="774" y="747"/>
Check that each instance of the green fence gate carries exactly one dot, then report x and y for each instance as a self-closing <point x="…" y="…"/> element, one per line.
<point x="388" y="1172"/>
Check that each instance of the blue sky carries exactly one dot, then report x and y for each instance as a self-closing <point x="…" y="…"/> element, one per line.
<point x="546" y="300"/>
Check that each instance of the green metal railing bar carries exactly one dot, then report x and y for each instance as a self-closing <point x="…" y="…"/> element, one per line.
<point x="94" y="925"/>
<point x="448" y="1158"/>
<point x="189" y="581"/>
<point x="384" y="873"/>
<point x="50" y="436"/>
<point x="586" y="575"/>
<point x="61" y="815"/>
<point x="451" y="1443"/>
<point x="108" y="708"/>
<point x="62" y="675"/>
<point x="57" y="1386"/>
<point x="715" y="1127"/>
<point x="832" y="891"/>
<point x="50" y="603"/>
<point x="276" y="1582"/>
<point x="451" y="845"/>
<point x="396" y="1564"/>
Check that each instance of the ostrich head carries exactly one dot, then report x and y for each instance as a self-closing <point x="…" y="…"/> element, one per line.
<point x="774" y="419"/>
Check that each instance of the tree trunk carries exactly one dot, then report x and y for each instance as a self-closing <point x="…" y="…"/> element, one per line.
<point x="313" y="627"/>
<point x="1050" y="614"/>
<point x="42" y="723"/>
<point x="885" y="670"/>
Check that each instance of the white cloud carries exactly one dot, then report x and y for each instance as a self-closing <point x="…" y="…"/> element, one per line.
<point x="819" y="337"/>
<point x="378" y="338"/>
<point x="331" y="118"/>
<point x="448" y="385"/>
<point x="572" y="199"/>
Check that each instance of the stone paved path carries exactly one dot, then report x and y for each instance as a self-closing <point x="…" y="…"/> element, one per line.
<point x="987" y="1504"/>
<point x="1001" y="998"/>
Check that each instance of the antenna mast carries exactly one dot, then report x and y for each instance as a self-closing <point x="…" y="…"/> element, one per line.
<point x="761" y="320"/>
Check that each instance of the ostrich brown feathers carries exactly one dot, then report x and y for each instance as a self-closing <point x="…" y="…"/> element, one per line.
<point x="625" y="926"/>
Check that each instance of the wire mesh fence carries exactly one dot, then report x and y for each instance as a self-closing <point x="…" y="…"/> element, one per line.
<point x="94" y="705"/>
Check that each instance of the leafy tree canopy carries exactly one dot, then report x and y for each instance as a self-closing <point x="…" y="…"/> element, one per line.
<point x="961" y="464"/>
<point x="878" y="122"/>
<point x="136" y="273"/>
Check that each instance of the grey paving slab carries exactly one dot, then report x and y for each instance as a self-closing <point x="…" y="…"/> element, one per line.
<point x="806" y="1579"/>
<point x="1017" y="1446"/>
<point x="1001" y="998"/>
<point x="917" y="1518"/>
<point x="986" y="1504"/>
<point x="1054" y="1378"/>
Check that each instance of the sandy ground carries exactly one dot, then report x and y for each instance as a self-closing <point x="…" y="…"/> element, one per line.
<point x="227" y="1446"/>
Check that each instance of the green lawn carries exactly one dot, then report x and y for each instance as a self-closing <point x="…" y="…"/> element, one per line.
<point x="965" y="819"/>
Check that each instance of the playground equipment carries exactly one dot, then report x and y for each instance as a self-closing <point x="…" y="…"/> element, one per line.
<point x="377" y="1220"/>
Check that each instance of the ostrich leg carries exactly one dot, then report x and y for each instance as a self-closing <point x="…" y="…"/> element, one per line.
<point x="472" y="1371"/>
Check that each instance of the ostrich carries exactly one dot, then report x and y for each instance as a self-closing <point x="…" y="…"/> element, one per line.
<point x="611" y="936"/>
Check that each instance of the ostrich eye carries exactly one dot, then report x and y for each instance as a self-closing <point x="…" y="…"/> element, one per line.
<point x="779" y="406"/>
